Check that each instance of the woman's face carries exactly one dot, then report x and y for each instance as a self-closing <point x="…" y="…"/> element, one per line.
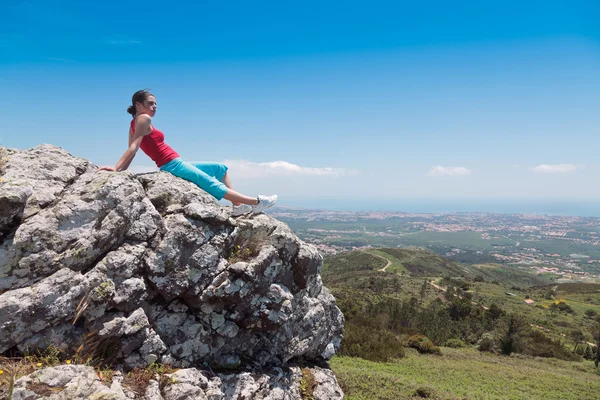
<point x="147" y="107"/>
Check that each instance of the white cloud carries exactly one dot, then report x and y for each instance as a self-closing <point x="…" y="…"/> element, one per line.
<point x="248" y="169"/>
<point x="438" y="170"/>
<point x="546" y="168"/>
<point x="122" y="41"/>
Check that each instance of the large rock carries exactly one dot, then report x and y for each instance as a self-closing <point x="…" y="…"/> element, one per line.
<point x="67" y="382"/>
<point x="153" y="268"/>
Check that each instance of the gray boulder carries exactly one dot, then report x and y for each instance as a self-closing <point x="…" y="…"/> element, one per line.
<point x="154" y="269"/>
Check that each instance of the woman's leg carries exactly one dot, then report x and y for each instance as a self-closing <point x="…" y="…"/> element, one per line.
<point x="237" y="198"/>
<point x="219" y="171"/>
<point x="227" y="183"/>
<point x="205" y="176"/>
<point x="204" y="181"/>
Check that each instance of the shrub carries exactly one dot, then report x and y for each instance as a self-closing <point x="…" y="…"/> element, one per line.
<point x="479" y="278"/>
<point x="426" y="392"/>
<point x="455" y="343"/>
<point x="365" y="340"/>
<point x="486" y="342"/>
<point x="427" y="347"/>
<point x="423" y="344"/>
<point x="590" y="313"/>
<point x="414" y="340"/>
<point x="564" y="307"/>
<point x="539" y="345"/>
<point x="307" y="384"/>
<point x="245" y="247"/>
<point x="588" y="354"/>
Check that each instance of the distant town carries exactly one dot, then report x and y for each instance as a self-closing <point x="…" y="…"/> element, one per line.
<point x="568" y="247"/>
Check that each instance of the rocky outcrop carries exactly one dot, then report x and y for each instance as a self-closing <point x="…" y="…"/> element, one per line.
<point x="67" y="382"/>
<point x="152" y="268"/>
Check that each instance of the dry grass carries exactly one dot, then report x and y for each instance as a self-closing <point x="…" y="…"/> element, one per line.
<point x="13" y="368"/>
<point x="137" y="380"/>
<point x="245" y="248"/>
<point x="3" y="158"/>
<point x="307" y="384"/>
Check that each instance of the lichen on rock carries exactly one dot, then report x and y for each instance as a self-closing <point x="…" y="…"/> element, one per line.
<point x="153" y="264"/>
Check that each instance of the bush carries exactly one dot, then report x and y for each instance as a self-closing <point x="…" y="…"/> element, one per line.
<point x="426" y="392"/>
<point x="487" y="342"/>
<point x="414" y="340"/>
<point x="455" y="343"/>
<point x="427" y="347"/>
<point x="564" y="307"/>
<point x="423" y="344"/>
<point x="590" y="313"/>
<point x="539" y="345"/>
<point x="370" y="342"/>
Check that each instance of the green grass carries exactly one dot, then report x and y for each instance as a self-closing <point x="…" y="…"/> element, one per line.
<point x="425" y="263"/>
<point x="467" y="374"/>
<point x="508" y="275"/>
<point x="395" y="266"/>
<point x="462" y="240"/>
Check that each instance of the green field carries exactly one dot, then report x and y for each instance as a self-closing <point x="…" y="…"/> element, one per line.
<point x="467" y="374"/>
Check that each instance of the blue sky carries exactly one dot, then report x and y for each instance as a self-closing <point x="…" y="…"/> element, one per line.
<point x="343" y="101"/>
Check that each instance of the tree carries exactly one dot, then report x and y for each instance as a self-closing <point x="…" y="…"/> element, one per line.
<point x="596" y="335"/>
<point x="424" y="288"/>
<point x="588" y="354"/>
<point x="449" y="293"/>
<point x="578" y="337"/>
<point x="511" y="337"/>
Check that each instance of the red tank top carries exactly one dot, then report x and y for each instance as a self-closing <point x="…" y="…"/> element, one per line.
<point x="155" y="147"/>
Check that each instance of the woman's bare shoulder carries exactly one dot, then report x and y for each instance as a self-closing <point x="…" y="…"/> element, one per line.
<point x="143" y="119"/>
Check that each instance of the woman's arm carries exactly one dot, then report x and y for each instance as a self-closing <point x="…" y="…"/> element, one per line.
<point x="143" y="127"/>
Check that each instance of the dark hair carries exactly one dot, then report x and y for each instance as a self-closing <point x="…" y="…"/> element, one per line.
<point x="139" y="96"/>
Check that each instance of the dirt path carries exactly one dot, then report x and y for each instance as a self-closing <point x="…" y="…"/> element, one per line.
<point x="388" y="261"/>
<point x="382" y="257"/>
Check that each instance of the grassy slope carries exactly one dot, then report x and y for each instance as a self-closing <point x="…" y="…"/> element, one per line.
<point x="355" y="276"/>
<point x="424" y="263"/>
<point x="462" y="373"/>
<point x="395" y="266"/>
<point x="467" y="374"/>
<point x="509" y="276"/>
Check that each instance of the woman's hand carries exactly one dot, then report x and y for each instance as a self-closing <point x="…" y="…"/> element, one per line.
<point x="106" y="169"/>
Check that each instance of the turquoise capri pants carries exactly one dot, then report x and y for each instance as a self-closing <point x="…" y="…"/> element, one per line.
<point x="206" y="175"/>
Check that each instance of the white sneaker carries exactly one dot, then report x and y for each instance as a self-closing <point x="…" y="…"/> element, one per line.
<point x="264" y="202"/>
<point x="241" y="210"/>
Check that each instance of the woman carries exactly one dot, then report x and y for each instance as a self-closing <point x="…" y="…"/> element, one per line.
<point x="211" y="177"/>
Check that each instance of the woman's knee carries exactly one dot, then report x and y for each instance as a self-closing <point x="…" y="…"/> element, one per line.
<point x="222" y="170"/>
